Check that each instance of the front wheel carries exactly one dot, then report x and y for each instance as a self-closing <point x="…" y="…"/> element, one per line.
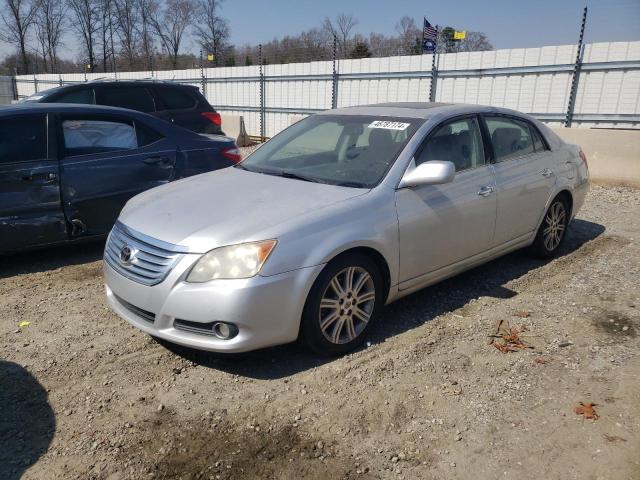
<point x="553" y="229"/>
<point x="344" y="300"/>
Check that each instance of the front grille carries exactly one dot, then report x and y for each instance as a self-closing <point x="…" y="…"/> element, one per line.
<point x="150" y="260"/>
<point x="144" y="314"/>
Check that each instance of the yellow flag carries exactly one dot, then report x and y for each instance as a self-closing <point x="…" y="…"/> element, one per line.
<point x="459" y="35"/>
<point x="210" y="57"/>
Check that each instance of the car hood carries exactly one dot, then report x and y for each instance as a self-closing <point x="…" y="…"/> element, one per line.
<point x="226" y="206"/>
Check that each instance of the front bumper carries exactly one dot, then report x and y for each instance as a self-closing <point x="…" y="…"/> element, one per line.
<point x="266" y="310"/>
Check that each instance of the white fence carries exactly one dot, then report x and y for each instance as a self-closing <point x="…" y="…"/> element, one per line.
<point x="532" y="80"/>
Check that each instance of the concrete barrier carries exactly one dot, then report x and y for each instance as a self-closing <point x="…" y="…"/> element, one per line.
<point x="613" y="155"/>
<point x="233" y="126"/>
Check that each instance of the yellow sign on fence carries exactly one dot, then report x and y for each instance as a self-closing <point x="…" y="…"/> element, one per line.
<point x="459" y="35"/>
<point x="210" y="57"/>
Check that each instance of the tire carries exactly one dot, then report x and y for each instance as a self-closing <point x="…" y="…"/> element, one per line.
<point x="553" y="229"/>
<point x="344" y="301"/>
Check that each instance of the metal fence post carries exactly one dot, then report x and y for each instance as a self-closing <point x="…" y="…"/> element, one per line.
<point x="60" y="79"/>
<point x="334" y="77"/>
<point x="35" y="82"/>
<point x="203" y="83"/>
<point x="576" y="73"/>
<point x="434" y="72"/>
<point x="262" y="106"/>
<point x="14" y="84"/>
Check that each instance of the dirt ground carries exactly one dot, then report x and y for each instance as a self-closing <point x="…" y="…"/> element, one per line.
<point x="85" y="395"/>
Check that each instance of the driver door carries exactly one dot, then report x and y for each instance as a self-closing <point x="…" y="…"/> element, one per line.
<point x="441" y="225"/>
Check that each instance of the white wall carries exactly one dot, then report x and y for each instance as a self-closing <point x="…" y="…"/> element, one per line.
<point x="605" y="91"/>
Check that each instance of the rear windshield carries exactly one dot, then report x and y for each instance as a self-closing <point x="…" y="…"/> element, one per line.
<point x="343" y="150"/>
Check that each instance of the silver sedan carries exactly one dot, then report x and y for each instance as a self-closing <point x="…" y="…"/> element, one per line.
<point x="343" y="212"/>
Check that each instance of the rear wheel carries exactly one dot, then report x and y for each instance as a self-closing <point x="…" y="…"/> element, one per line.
<point x="343" y="302"/>
<point x="553" y="229"/>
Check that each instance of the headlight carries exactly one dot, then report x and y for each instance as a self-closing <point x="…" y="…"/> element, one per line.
<point x="235" y="261"/>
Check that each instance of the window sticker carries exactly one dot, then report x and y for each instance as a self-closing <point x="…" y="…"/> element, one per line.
<point x="389" y="125"/>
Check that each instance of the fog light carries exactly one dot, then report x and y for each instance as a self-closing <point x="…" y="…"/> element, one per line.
<point x="222" y="330"/>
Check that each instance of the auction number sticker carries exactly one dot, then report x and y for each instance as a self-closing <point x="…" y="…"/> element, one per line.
<point x="389" y="125"/>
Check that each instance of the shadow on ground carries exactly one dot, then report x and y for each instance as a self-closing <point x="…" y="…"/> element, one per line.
<point x="33" y="261"/>
<point x="405" y="314"/>
<point x="27" y="422"/>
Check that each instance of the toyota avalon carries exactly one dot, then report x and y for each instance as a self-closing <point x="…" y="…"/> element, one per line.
<point x="335" y="217"/>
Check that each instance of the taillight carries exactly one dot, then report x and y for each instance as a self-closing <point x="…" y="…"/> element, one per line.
<point x="232" y="153"/>
<point x="583" y="157"/>
<point x="213" y="117"/>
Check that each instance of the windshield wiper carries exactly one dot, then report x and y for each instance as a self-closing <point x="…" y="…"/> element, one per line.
<point x="350" y="184"/>
<point x="297" y="176"/>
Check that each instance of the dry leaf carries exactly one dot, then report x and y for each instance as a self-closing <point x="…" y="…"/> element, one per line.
<point x="613" y="438"/>
<point x="522" y="314"/>
<point x="587" y="410"/>
<point x="540" y="360"/>
<point x="24" y="324"/>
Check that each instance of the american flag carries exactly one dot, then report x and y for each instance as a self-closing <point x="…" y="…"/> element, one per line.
<point x="429" y="37"/>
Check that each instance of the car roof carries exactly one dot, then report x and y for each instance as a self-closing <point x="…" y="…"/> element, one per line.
<point x="420" y="110"/>
<point x="112" y="82"/>
<point x="35" y="107"/>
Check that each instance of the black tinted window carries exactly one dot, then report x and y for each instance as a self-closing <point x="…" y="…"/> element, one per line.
<point x="175" y="98"/>
<point x="146" y="135"/>
<point x="135" y="98"/>
<point x="84" y="96"/>
<point x="23" y="138"/>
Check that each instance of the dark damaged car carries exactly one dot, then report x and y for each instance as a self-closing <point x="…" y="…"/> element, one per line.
<point x="66" y="171"/>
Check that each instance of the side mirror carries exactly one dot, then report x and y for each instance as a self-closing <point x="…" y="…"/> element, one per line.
<point x="434" y="172"/>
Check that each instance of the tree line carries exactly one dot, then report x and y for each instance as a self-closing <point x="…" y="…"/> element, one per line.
<point x="158" y="34"/>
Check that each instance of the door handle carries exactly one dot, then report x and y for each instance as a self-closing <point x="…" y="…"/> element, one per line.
<point x="163" y="161"/>
<point x="41" y="177"/>
<point x="547" y="172"/>
<point x="485" y="191"/>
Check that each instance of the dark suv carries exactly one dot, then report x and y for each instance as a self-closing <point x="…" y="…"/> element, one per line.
<point x="183" y="105"/>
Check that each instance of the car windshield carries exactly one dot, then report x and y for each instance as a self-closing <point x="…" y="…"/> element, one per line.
<point x="346" y="150"/>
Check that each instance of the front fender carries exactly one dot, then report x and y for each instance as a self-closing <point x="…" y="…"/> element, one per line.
<point x="367" y="221"/>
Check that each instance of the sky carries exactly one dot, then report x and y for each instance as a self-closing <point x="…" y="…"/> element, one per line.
<point x="508" y="24"/>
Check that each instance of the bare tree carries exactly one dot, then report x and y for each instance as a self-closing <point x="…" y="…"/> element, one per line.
<point x="17" y="17"/>
<point x="105" y="28"/>
<point x="408" y="32"/>
<point x="87" y="24"/>
<point x="128" y="28"/>
<point x="211" y="29"/>
<point x="170" y="24"/>
<point x="50" y="24"/>
<point x="147" y="9"/>
<point x="342" y="30"/>
<point x="475" y="42"/>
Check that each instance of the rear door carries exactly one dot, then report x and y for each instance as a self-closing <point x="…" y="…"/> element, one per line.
<point x="524" y="176"/>
<point x="107" y="159"/>
<point x="30" y="208"/>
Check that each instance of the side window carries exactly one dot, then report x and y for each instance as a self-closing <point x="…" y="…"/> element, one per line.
<point x="459" y="142"/>
<point x="135" y="98"/>
<point x="510" y="138"/>
<point x="84" y="96"/>
<point x="23" y="138"/>
<point x="146" y="135"/>
<point x="83" y="137"/>
<point x="538" y="143"/>
<point x="175" y="98"/>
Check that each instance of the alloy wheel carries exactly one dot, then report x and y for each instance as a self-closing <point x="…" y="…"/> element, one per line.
<point x="346" y="305"/>
<point x="555" y="223"/>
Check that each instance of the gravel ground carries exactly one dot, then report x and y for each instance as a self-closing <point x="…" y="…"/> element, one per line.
<point x="84" y="395"/>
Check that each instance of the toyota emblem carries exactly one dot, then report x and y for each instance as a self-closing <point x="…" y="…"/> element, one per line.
<point x="126" y="255"/>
